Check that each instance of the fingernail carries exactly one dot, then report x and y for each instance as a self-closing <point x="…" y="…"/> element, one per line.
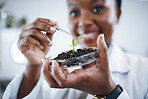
<point x="51" y="21"/>
<point x="48" y="39"/>
<point x="102" y="37"/>
<point x="103" y="40"/>
<point x="52" y="28"/>
<point x="43" y="61"/>
<point x="41" y="47"/>
<point x="53" y="64"/>
<point x="50" y="43"/>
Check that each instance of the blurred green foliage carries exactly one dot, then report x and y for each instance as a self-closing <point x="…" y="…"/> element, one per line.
<point x="22" y="22"/>
<point x="1" y="5"/>
<point x="9" y="21"/>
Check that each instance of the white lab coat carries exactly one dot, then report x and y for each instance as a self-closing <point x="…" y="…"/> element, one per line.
<point x="130" y="71"/>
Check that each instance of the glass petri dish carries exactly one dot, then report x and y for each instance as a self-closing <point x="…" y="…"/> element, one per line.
<point x="79" y="60"/>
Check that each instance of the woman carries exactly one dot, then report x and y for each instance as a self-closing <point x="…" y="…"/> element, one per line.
<point x="96" y="19"/>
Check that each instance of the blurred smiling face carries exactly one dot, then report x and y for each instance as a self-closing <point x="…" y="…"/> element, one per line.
<point x="92" y="17"/>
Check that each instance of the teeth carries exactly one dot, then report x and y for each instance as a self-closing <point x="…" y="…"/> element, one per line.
<point x="81" y="33"/>
<point x="89" y="35"/>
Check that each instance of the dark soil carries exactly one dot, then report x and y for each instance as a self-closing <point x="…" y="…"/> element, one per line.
<point x="72" y="61"/>
<point x="79" y="52"/>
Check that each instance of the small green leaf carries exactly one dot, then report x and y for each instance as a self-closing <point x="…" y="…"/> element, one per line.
<point x="80" y="37"/>
<point x="77" y="43"/>
<point x="73" y="41"/>
<point x="73" y="50"/>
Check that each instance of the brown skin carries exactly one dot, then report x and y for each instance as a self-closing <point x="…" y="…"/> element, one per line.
<point x="34" y="45"/>
<point x="85" y="18"/>
<point x="94" y="79"/>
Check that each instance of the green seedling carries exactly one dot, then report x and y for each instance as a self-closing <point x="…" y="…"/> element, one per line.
<point x="75" y="43"/>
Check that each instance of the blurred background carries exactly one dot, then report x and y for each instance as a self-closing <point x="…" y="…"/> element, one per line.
<point x="131" y="34"/>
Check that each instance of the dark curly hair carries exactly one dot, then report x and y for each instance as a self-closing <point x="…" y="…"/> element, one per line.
<point x="118" y="3"/>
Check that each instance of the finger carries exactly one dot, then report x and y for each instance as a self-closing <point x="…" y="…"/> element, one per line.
<point x="102" y="47"/>
<point x="50" y="22"/>
<point x="42" y="38"/>
<point x="89" y="65"/>
<point x="40" y="26"/>
<point x="70" y="79"/>
<point x="35" y="33"/>
<point x="65" y="71"/>
<point x="58" y="76"/>
<point x="48" y="74"/>
<point x="47" y="21"/>
<point x="50" y="36"/>
<point x="25" y="43"/>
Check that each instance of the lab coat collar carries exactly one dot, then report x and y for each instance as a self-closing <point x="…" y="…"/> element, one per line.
<point x="117" y="60"/>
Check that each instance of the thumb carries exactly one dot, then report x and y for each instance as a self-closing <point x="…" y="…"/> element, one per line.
<point x="102" y="47"/>
<point x="46" y="65"/>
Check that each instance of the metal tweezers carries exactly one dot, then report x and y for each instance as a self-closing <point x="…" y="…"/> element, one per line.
<point x="60" y="29"/>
